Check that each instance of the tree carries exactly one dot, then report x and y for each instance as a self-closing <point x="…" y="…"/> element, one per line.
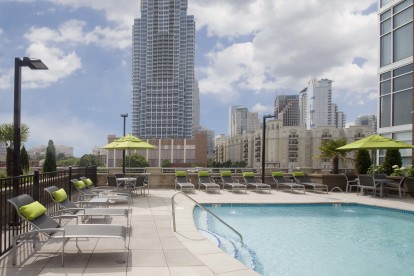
<point x="363" y="161"/>
<point x="60" y="156"/>
<point x="136" y="161"/>
<point x="90" y="160"/>
<point x="165" y="163"/>
<point x="329" y="150"/>
<point x="7" y="136"/>
<point x="50" y="161"/>
<point x="392" y="157"/>
<point x="68" y="161"/>
<point x="24" y="161"/>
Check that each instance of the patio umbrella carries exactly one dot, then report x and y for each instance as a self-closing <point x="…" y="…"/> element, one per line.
<point x="376" y="142"/>
<point x="129" y="142"/>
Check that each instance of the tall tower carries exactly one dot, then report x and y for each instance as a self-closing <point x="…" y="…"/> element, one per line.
<point x="242" y="120"/>
<point x="163" y="54"/>
<point x="319" y="104"/>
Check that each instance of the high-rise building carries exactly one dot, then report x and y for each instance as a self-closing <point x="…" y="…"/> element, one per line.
<point x="242" y="120"/>
<point x="396" y="72"/>
<point x="163" y="56"/>
<point x="367" y="120"/>
<point x="286" y="108"/>
<point x="316" y="108"/>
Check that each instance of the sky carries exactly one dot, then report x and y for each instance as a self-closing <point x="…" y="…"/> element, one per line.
<point x="247" y="53"/>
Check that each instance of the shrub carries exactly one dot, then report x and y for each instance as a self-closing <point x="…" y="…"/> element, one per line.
<point x="392" y="157"/>
<point x="363" y="161"/>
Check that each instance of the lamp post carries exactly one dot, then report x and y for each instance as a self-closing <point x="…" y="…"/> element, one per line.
<point x="123" y="151"/>
<point x="264" y="145"/>
<point x="34" y="64"/>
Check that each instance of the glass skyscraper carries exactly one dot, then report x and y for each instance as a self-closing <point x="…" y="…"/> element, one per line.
<point x="396" y="72"/>
<point x="163" y="57"/>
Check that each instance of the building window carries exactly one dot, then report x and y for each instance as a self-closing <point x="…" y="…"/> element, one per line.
<point x="385" y="109"/>
<point x="403" y="42"/>
<point x="402" y="106"/>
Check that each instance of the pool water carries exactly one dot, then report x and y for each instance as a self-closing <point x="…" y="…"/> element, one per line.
<point x="314" y="239"/>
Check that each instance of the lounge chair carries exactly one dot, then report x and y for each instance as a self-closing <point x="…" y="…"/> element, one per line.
<point x="228" y="181"/>
<point x="280" y="180"/>
<point x="87" y="194"/>
<point x="367" y="182"/>
<point x="182" y="182"/>
<point x="34" y="213"/>
<point x="250" y="180"/>
<point x="204" y="180"/>
<point x="59" y="197"/>
<point x="301" y="178"/>
<point x="400" y="187"/>
<point x="89" y="185"/>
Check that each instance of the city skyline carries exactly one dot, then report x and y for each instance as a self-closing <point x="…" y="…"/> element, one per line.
<point x="241" y="59"/>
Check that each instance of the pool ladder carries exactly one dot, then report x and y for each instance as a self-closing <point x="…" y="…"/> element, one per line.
<point x="205" y="209"/>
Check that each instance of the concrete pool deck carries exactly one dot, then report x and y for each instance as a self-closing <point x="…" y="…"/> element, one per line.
<point x="154" y="249"/>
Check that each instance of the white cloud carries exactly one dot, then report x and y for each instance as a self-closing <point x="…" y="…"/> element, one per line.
<point x="291" y="42"/>
<point x="262" y="109"/>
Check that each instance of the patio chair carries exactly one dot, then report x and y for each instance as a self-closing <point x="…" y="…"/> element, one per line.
<point x="250" y="180"/>
<point x="113" y="197"/>
<point x="182" y="182"/>
<point x="35" y="215"/>
<point x="400" y="187"/>
<point x="228" y="180"/>
<point x="367" y="182"/>
<point x="204" y="180"/>
<point x="280" y="180"/>
<point x="59" y="197"/>
<point x="301" y="178"/>
<point x="89" y="185"/>
<point x="351" y="183"/>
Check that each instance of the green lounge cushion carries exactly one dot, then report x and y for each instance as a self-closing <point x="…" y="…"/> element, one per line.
<point x="277" y="173"/>
<point x="248" y="174"/>
<point x="203" y="173"/>
<point x="80" y="184"/>
<point x="60" y="195"/>
<point x="298" y="174"/>
<point x="225" y="173"/>
<point x="32" y="210"/>
<point x="180" y="173"/>
<point x="88" y="182"/>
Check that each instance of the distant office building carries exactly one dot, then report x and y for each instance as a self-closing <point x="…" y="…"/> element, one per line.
<point x="316" y="107"/>
<point x="35" y="152"/>
<point x="242" y="120"/>
<point x="163" y="81"/>
<point x="210" y="140"/>
<point x="367" y="120"/>
<point x="286" y="108"/>
<point x="396" y="72"/>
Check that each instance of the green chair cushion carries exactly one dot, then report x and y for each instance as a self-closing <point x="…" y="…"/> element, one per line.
<point x="277" y="173"/>
<point x="180" y="173"/>
<point x="80" y="184"/>
<point x="88" y="182"/>
<point x="32" y="210"/>
<point x="60" y="195"/>
<point x="225" y="173"/>
<point x="248" y="174"/>
<point x="298" y="174"/>
<point x="203" y="173"/>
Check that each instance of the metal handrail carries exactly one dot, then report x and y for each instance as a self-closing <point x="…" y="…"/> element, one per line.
<point x="205" y="209"/>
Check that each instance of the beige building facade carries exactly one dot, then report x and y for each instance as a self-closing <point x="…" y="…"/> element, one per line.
<point x="287" y="147"/>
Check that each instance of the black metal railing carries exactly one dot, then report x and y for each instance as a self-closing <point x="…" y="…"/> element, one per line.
<point x="33" y="185"/>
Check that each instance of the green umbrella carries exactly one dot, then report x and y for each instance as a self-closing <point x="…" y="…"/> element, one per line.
<point x="376" y="142"/>
<point x="129" y="142"/>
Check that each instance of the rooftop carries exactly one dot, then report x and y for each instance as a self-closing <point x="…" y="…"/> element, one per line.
<point x="154" y="249"/>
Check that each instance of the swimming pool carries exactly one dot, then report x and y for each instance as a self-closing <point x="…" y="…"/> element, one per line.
<point x="314" y="239"/>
